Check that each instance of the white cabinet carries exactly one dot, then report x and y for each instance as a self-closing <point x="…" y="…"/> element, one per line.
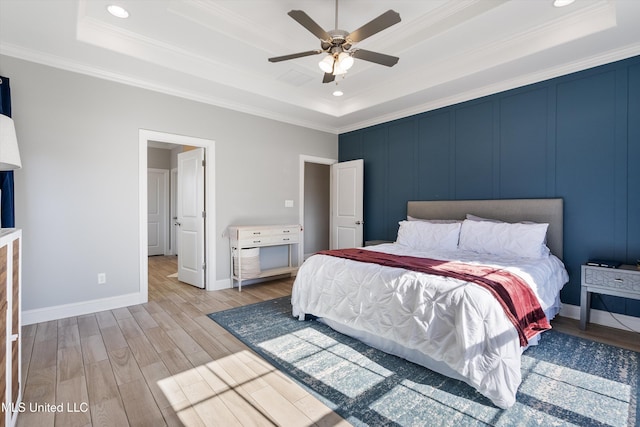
<point x="11" y="318"/>
<point x="257" y="236"/>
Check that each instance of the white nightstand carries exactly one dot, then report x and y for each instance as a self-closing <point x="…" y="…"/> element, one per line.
<point x="623" y="281"/>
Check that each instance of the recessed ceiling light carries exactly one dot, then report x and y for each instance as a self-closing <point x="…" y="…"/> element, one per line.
<point x="562" y="3"/>
<point x="338" y="93"/>
<point x="118" y="11"/>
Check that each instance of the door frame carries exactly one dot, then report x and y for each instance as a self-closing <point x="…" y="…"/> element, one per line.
<point x="307" y="159"/>
<point x="173" y="212"/>
<point x="144" y="137"/>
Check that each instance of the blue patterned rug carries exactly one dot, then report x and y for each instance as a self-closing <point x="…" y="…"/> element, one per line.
<point x="567" y="381"/>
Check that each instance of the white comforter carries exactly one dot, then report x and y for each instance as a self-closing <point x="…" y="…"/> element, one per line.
<point x="446" y="324"/>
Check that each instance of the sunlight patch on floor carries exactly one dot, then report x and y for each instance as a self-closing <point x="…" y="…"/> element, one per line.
<point x="328" y="361"/>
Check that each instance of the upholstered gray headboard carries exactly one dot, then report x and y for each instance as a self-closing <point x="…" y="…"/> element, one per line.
<point x="510" y="210"/>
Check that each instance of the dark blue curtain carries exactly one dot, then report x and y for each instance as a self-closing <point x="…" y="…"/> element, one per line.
<point x="7" y="213"/>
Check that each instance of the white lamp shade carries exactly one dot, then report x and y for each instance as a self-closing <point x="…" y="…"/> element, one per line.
<point x="326" y="64"/>
<point x="338" y="70"/>
<point x="9" y="154"/>
<point x="345" y="60"/>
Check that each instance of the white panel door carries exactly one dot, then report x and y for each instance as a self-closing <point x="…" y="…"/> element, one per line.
<point x="347" y="199"/>
<point x="191" y="217"/>
<point x="157" y="211"/>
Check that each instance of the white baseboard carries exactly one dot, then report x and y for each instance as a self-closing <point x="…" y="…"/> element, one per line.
<point x="78" y="309"/>
<point x="603" y="318"/>
<point x="221" y="284"/>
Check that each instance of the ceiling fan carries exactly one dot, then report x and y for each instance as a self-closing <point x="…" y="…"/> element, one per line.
<point x="337" y="43"/>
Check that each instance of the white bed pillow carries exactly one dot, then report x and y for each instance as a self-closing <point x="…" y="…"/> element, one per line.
<point x="424" y="235"/>
<point x="545" y="251"/>
<point x="503" y="238"/>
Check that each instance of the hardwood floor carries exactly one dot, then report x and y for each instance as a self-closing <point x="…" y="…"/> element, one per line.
<point x="160" y="363"/>
<point x="167" y="363"/>
<point x="613" y="336"/>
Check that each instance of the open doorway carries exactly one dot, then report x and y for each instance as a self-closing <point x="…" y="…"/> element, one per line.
<point x="176" y="142"/>
<point x="161" y="196"/>
<point x="315" y="191"/>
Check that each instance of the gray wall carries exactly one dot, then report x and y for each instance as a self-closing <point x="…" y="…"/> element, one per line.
<point x="157" y="158"/>
<point x="77" y="193"/>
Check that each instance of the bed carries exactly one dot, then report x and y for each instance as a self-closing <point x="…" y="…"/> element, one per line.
<point x="391" y="297"/>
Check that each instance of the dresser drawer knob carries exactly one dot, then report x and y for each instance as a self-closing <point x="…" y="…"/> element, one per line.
<point x="618" y="280"/>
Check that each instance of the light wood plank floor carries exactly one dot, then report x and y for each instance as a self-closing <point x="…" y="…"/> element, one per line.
<point x="160" y="363"/>
<point x="167" y="363"/>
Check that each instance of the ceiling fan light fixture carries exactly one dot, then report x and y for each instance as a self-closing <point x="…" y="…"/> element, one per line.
<point x="345" y="61"/>
<point x="338" y="92"/>
<point x="326" y="64"/>
<point x="338" y="70"/>
<point x="336" y="44"/>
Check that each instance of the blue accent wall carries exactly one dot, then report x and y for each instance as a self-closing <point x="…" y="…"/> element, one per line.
<point x="575" y="137"/>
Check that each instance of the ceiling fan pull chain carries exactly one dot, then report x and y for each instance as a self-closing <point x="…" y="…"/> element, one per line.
<point x="336" y="26"/>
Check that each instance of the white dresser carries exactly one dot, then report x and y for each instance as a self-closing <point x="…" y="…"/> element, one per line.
<point x="257" y="236"/>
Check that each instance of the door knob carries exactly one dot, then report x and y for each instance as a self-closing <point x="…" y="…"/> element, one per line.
<point x="178" y="223"/>
<point x="359" y="222"/>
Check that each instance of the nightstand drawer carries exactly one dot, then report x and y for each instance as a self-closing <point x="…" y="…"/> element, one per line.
<point x="612" y="278"/>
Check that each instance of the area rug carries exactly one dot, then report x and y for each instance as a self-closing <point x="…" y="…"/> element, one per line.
<point x="566" y="380"/>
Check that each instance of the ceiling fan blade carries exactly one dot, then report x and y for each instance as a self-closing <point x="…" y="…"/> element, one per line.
<point x="328" y="78"/>
<point x="387" y="19"/>
<point x="295" y="55"/>
<point x="378" y="58"/>
<point x="304" y="20"/>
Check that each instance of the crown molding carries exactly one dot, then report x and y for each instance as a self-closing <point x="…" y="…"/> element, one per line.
<point x="76" y="67"/>
<point x="524" y="80"/>
<point x="549" y="73"/>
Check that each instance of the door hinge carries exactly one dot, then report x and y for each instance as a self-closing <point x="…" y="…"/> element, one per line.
<point x="204" y="265"/>
<point x="204" y="163"/>
<point x="204" y="214"/>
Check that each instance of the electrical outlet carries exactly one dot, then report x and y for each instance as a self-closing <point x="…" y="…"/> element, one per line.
<point x="102" y="278"/>
<point x="288" y="203"/>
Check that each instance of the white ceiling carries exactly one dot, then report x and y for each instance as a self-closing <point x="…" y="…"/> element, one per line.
<point x="215" y="51"/>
